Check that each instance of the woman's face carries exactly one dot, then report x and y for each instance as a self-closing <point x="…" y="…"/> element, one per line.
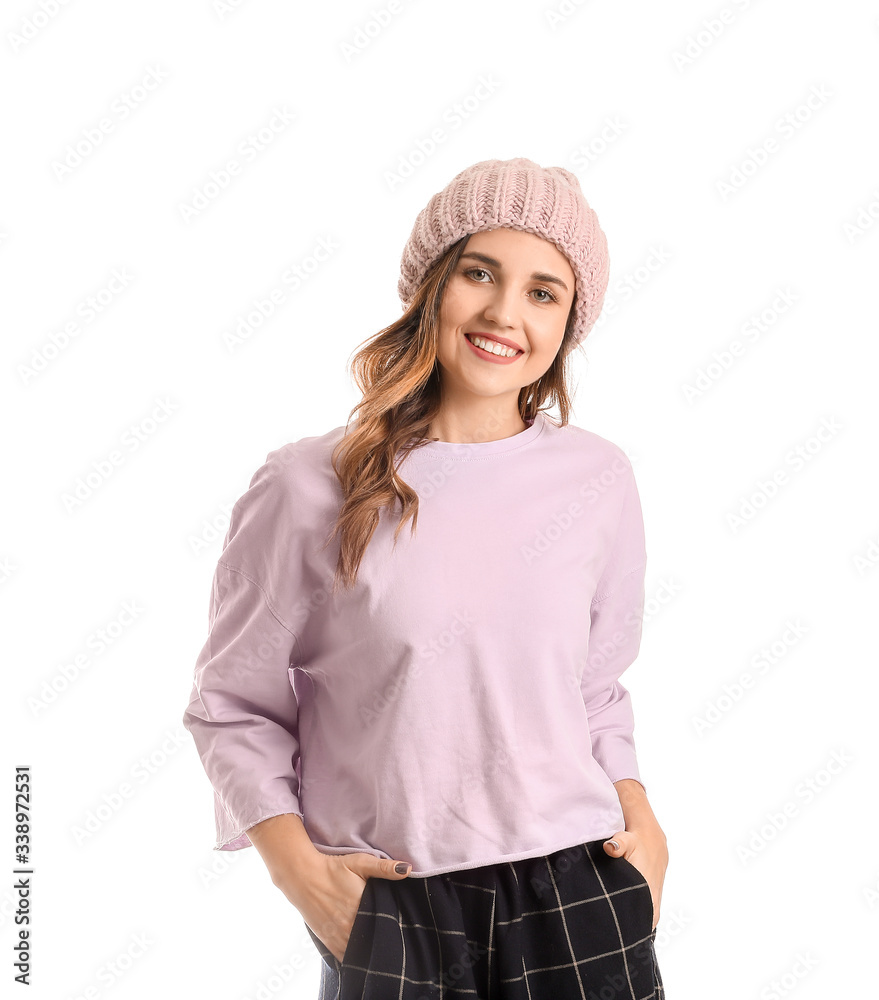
<point x="510" y="288"/>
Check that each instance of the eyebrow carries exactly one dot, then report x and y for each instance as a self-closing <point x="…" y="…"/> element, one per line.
<point x="536" y="275"/>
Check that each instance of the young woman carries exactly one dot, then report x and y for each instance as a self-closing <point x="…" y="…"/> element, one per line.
<point x="423" y="731"/>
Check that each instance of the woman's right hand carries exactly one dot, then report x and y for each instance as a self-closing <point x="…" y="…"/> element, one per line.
<point x="325" y="888"/>
<point x="329" y="893"/>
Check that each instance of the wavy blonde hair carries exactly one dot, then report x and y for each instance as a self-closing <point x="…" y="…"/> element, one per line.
<point x="398" y="373"/>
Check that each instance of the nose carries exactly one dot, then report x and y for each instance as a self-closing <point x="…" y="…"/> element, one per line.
<point x="503" y="307"/>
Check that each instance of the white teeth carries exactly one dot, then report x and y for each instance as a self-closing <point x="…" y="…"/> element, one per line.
<point x="493" y="347"/>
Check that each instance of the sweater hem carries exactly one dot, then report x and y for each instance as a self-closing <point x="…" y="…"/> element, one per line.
<point x="482" y="863"/>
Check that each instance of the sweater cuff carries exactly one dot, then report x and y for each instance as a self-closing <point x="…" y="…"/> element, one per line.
<point x="615" y="753"/>
<point x="232" y="836"/>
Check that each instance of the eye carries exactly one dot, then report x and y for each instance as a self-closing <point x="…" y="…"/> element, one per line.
<point x="472" y="270"/>
<point x="546" y="291"/>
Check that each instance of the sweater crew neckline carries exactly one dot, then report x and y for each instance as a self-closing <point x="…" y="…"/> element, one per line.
<point x="473" y="450"/>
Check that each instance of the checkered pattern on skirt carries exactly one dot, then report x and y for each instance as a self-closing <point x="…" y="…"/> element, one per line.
<point x="572" y="924"/>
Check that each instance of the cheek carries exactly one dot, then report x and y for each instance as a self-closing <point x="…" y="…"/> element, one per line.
<point x="453" y="305"/>
<point x="548" y="340"/>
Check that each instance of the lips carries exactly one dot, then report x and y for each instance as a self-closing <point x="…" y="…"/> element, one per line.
<point x="499" y="340"/>
<point x="487" y="355"/>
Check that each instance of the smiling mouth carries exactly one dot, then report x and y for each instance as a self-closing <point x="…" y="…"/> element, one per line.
<point x="492" y="346"/>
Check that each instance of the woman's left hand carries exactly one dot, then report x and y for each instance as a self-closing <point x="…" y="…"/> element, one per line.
<point x="645" y="848"/>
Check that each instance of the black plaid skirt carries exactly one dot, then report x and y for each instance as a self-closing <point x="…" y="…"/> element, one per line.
<point x="572" y="924"/>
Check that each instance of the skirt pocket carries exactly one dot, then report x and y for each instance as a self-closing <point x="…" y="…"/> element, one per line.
<point x="643" y="893"/>
<point x="355" y="938"/>
<point x="359" y="934"/>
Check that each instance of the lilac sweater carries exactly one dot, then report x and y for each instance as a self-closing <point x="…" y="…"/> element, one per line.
<point x="461" y="706"/>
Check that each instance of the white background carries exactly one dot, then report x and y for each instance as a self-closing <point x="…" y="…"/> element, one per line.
<point x="663" y="119"/>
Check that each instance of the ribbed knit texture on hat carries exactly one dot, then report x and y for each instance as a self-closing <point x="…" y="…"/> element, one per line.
<point x="517" y="194"/>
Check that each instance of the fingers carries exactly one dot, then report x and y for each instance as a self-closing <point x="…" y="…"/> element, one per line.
<point x="617" y="845"/>
<point x="373" y="867"/>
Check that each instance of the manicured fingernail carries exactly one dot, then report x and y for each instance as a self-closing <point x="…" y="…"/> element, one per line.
<point x="401" y="868"/>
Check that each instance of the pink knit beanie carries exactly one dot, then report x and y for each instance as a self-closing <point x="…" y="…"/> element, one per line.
<point x="518" y="194"/>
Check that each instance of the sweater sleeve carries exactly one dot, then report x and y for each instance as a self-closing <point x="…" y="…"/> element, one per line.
<point x="615" y="638"/>
<point x="242" y="712"/>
